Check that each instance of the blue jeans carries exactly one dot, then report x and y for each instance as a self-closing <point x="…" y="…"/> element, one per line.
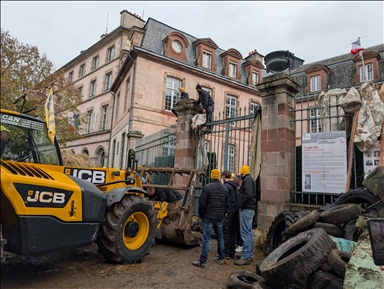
<point x="207" y="230"/>
<point x="246" y="219"/>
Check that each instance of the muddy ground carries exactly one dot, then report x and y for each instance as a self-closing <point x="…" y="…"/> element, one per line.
<point x="167" y="266"/>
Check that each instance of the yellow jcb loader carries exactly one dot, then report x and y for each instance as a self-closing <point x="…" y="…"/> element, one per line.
<point x="47" y="206"/>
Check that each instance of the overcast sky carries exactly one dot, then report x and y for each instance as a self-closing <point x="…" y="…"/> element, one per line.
<point x="313" y="30"/>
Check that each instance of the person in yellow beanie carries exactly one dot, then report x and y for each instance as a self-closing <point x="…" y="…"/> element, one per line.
<point x="213" y="205"/>
<point x="246" y="203"/>
<point x="183" y="95"/>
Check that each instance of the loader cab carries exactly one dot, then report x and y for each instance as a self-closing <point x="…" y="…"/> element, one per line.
<point x="27" y="140"/>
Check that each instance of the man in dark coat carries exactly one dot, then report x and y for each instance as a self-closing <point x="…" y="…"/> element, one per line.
<point x="183" y="95"/>
<point x="213" y="205"/>
<point x="164" y="195"/>
<point x="246" y="203"/>
<point x="208" y="104"/>
<point x="230" y="220"/>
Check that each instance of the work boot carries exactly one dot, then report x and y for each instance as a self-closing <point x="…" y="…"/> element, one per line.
<point x="242" y="261"/>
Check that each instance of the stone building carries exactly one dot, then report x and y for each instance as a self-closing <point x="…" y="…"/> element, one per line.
<point x="131" y="77"/>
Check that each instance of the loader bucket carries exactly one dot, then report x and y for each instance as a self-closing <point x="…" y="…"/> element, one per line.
<point x="176" y="226"/>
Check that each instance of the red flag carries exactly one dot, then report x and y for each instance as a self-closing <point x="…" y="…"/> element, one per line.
<point x="356" y="47"/>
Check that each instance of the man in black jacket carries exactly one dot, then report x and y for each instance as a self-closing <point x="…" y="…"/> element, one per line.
<point x="164" y="195"/>
<point x="208" y="104"/>
<point x="213" y="205"/>
<point x="183" y="95"/>
<point x="246" y="203"/>
<point x="230" y="220"/>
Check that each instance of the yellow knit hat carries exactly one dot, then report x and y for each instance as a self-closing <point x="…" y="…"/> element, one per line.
<point x="232" y="176"/>
<point x="181" y="89"/>
<point x="244" y="170"/>
<point x="215" y="174"/>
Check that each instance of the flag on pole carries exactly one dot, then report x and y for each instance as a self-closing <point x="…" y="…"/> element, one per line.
<point x="356" y="47"/>
<point x="50" y="116"/>
<point x="75" y="122"/>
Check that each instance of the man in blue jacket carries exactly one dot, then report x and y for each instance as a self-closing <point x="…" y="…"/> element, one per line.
<point x="246" y="203"/>
<point x="213" y="205"/>
<point x="230" y="220"/>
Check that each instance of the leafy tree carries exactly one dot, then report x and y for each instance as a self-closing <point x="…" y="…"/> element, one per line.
<point x="26" y="78"/>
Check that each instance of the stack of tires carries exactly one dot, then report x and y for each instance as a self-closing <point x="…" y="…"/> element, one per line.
<point x="300" y="252"/>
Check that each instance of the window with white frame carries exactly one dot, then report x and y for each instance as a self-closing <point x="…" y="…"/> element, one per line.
<point x="82" y="70"/>
<point x="208" y="89"/>
<point x="315" y="121"/>
<point x="95" y="62"/>
<point x="70" y="76"/>
<point x="207" y="60"/>
<point x="172" y="93"/>
<point x="111" y="53"/>
<point x="230" y="107"/>
<point x="252" y="107"/>
<point x="92" y="91"/>
<point x="231" y="158"/>
<point x="169" y="145"/>
<point x="122" y="150"/>
<point x="89" y="120"/>
<point x="255" y="78"/>
<point x="315" y="83"/>
<point x="108" y="80"/>
<point x="366" y="72"/>
<point x="104" y="117"/>
<point x="232" y="70"/>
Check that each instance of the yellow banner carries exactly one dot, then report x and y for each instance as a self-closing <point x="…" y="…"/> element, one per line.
<point x="50" y="116"/>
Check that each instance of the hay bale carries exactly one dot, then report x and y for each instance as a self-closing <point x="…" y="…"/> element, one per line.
<point x="76" y="160"/>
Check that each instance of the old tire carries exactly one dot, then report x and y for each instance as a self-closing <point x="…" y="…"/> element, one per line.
<point x="128" y="230"/>
<point x="324" y="280"/>
<point x="361" y="197"/>
<point x="303" y="223"/>
<point x="243" y="279"/>
<point x="338" y="261"/>
<point x="275" y="233"/>
<point x="340" y="214"/>
<point x="332" y="229"/>
<point x="293" y="261"/>
<point x="351" y="232"/>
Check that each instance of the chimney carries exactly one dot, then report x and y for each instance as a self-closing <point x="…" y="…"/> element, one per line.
<point x="128" y="20"/>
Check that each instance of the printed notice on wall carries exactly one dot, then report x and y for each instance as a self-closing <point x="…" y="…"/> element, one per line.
<point x="371" y="158"/>
<point x="324" y="162"/>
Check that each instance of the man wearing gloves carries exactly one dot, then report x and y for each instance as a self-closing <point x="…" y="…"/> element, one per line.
<point x="246" y="203"/>
<point x="213" y="205"/>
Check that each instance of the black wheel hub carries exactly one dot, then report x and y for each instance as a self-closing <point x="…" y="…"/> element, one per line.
<point x="131" y="229"/>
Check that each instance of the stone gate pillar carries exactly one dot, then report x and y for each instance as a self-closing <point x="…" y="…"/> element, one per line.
<point x="277" y="145"/>
<point x="185" y="151"/>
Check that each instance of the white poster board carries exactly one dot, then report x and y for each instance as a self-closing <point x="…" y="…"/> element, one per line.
<point x="324" y="162"/>
<point x="371" y="158"/>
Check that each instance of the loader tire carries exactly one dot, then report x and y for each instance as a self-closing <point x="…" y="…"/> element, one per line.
<point x="128" y="230"/>
<point x="293" y="261"/>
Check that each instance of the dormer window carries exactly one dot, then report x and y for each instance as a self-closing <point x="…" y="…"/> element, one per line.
<point x="366" y="72"/>
<point x="175" y="45"/>
<point x="315" y="83"/>
<point x="231" y="59"/>
<point x="316" y="78"/>
<point x="207" y="60"/>
<point x="232" y="70"/>
<point x="255" y="78"/>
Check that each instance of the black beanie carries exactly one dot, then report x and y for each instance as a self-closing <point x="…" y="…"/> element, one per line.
<point x="198" y="86"/>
